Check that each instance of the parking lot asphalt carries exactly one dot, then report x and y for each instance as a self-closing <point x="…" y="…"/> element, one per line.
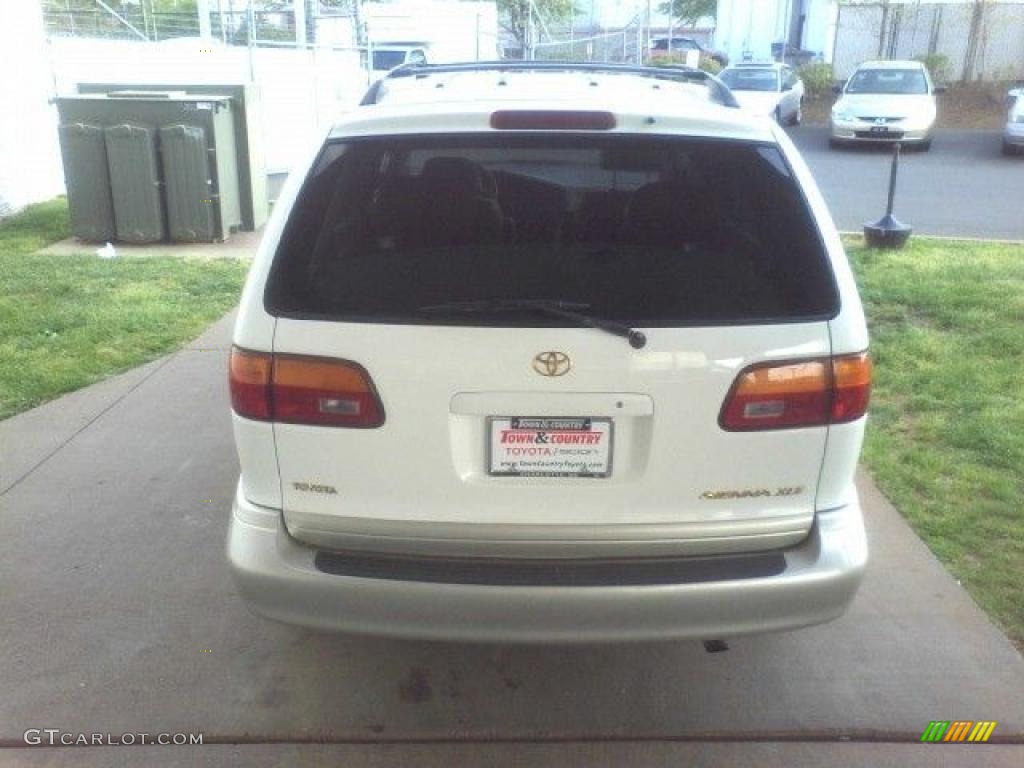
<point x="963" y="187"/>
<point x="119" y="616"/>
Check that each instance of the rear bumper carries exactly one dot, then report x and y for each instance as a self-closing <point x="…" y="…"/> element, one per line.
<point x="279" y="578"/>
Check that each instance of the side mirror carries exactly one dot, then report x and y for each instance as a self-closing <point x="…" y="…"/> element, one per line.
<point x="787" y="86"/>
<point x="837" y="89"/>
<point x="939" y="89"/>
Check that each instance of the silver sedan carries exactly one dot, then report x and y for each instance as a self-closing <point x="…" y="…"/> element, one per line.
<point x="886" y="101"/>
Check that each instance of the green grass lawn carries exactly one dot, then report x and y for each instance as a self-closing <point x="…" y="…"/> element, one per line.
<point x="68" y="321"/>
<point x="946" y="436"/>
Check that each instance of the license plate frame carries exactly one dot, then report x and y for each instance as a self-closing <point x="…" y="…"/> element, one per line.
<point x="595" y="453"/>
<point x="882" y="129"/>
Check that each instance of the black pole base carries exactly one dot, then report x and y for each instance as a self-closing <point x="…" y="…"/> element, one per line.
<point x="887" y="232"/>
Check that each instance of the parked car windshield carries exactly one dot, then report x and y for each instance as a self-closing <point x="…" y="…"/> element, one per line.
<point x="891" y="81"/>
<point x="388" y="59"/>
<point x="750" y="79"/>
<point x="651" y="231"/>
<point x="678" y="44"/>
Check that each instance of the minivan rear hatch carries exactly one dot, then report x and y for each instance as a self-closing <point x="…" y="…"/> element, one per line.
<point x="429" y="265"/>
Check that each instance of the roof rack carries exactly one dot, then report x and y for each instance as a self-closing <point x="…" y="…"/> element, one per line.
<point x="720" y="93"/>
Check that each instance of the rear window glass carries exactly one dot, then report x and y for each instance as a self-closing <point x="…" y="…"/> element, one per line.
<point x="388" y="59"/>
<point x="751" y="79"/>
<point x="656" y="232"/>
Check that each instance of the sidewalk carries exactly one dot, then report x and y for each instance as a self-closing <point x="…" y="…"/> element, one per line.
<point x="241" y="245"/>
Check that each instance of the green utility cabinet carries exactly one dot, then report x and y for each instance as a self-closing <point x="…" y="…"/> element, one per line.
<point x="246" y="112"/>
<point x="87" y="182"/>
<point x="167" y="163"/>
<point x="134" y="182"/>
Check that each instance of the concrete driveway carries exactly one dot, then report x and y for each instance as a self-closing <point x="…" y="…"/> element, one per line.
<point x="963" y="187"/>
<point x="119" y="616"/>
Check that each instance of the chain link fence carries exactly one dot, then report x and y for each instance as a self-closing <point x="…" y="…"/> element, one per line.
<point x="965" y="41"/>
<point x="138" y="23"/>
<point x="625" y="45"/>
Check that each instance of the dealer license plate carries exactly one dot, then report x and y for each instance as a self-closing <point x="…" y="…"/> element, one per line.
<point x="521" y="446"/>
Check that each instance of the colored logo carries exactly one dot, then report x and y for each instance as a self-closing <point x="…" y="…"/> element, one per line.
<point x="958" y="730"/>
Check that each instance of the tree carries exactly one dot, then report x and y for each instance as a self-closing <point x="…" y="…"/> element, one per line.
<point x="515" y="15"/>
<point x="687" y="12"/>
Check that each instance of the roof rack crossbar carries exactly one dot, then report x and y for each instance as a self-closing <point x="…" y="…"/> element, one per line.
<point x="719" y="92"/>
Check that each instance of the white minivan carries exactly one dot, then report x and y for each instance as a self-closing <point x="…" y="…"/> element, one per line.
<point x="549" y="352"/>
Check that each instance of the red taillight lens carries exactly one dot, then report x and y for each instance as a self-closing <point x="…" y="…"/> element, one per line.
<point x="314" y="390"/>
<point x="551" y="120"/>
<point x="303" y="390"/>
<point x="809" y="393"/>
<point x="249" y="380"/>
<point x="851" y="387"/>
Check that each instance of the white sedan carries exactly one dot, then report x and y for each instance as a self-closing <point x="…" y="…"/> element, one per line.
<point x="773" y="90"/>
<point x="886" y="101"/>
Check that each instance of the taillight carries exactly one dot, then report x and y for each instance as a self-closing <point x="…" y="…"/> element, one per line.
<point x="318" y="390"/>
<point x="303" y="390"/>
<point x="249" y="379"/>
<point x="551" y="120"/>
<point x="808" y="393"/>
<point x="851" y="387"/>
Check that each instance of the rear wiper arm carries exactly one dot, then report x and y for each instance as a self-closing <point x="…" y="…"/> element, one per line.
<point x="569" y="310"/>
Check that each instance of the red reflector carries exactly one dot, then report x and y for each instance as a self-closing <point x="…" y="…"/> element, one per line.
<point x="303" y="390"/>
<point x="249" y="381"/>
<point x="809" y="393"/>
<point x="551" y="120"/>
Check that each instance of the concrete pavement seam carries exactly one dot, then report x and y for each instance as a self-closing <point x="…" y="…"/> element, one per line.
<point x="84" y="427"/>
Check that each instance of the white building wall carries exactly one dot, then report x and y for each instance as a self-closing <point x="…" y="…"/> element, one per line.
<point x="751" y="26"/>
<point x="820" y="27"/>
<point x="913" y="26"/>
<point x="747" y="28"/>
<point x="30" y="168"/>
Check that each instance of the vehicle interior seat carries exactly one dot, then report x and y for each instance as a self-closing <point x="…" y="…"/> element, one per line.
<point x="667" y="214"/>
<point x="457" y="205"/>
<point x="536" y="209"/>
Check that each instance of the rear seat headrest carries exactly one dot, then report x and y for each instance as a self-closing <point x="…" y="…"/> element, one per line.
<point x="458" y="175"/>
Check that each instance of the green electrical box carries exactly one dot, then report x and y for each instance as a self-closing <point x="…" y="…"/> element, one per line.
<point x="171" y="165"/>
<point x="247" y="119"/>
<point x="87" y="181"/>
<point x="134" y="172"/>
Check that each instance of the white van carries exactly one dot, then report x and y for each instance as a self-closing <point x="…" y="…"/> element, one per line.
<point x="550" y="353"/>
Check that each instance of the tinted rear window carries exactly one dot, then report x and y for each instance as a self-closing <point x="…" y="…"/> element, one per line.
<point x="654" y="232"/>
